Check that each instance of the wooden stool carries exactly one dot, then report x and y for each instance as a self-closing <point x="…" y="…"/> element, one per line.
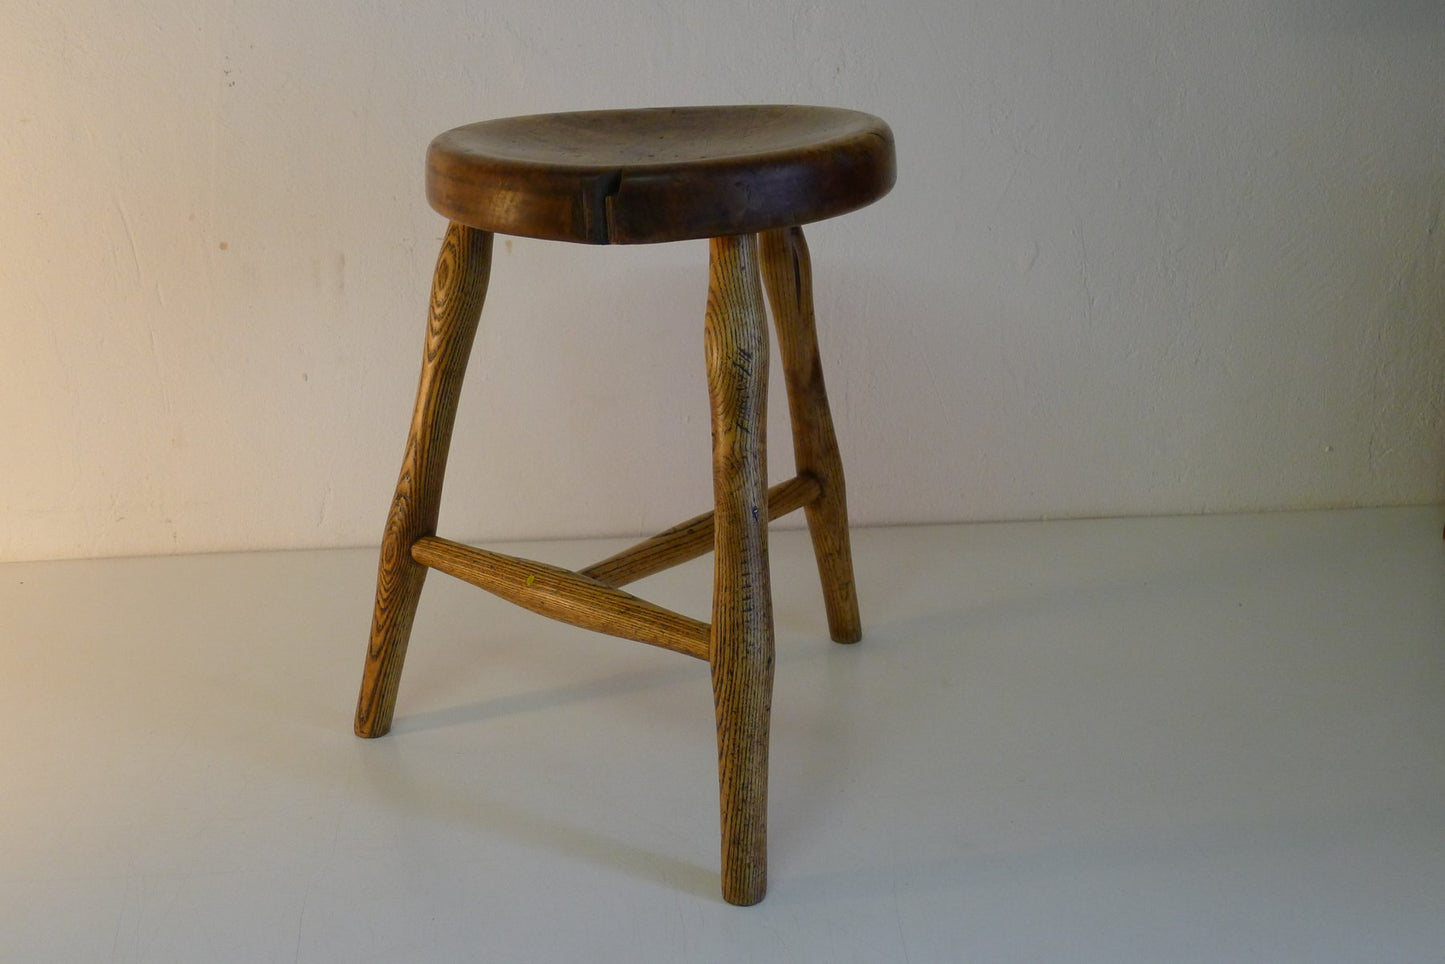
<point x="732" y="174"/>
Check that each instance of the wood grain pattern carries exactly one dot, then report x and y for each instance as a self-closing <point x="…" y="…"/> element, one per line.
<point x="788" y="276"/>
<point x="565" y="595"/>
<point x="690" y="539"/>
<point x="659" y="174"/>
<point x="459" y="287"/>
<point x="736" y="338"/>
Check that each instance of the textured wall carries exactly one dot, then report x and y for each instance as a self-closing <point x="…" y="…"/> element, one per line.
<point x="1143" y="257"/>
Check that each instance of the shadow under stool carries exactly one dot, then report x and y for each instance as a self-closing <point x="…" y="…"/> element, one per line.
<point x="746" y="178"/>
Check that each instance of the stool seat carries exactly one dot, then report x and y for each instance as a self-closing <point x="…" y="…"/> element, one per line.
<point x="659" y="174"/>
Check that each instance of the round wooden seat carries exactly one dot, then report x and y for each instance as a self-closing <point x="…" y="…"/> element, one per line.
<point x="661" y="174"/>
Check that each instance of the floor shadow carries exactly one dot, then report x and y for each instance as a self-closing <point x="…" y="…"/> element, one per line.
<point x="513" y="704"/>
<point x="428" y="799"/>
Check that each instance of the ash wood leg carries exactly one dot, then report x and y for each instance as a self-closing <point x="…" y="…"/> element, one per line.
<point x="458" y="289"/>
<point x="787" y="273"/>
<point x="741" y="645"/>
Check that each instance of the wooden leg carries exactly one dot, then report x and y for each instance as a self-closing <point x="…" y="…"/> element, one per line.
<point x="458" y="289"/>
<point x="742" y="619"/>
<point x="787" y="273"/>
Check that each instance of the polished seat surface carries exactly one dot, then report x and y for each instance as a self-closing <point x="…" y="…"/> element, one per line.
<point x="659" y="174"/>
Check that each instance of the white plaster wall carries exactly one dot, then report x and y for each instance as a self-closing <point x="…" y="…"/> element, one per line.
<point x="1143" y="257"/>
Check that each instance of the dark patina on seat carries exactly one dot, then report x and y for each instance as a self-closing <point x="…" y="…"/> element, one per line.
<point x="659" y="174"/>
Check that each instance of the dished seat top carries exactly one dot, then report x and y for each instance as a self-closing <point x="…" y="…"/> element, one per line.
<point x="659" y="174"/>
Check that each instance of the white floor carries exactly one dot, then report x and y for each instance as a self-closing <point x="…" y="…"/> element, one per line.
<point x="1204" y="739"/>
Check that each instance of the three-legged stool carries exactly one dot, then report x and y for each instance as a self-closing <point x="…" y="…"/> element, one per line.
<point x="745" y="177"/>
